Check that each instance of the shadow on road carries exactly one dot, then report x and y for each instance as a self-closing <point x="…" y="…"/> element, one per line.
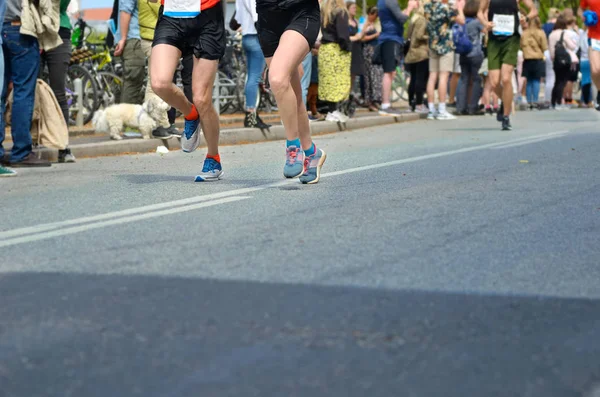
<point x="91" y="335"/>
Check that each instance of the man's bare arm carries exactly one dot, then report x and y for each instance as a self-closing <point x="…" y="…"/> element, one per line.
<point x="482" y="15"/>
<point x="533" y="12"/>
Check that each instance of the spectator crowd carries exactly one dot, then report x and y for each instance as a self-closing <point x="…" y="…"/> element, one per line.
<point x="437" y="48"/>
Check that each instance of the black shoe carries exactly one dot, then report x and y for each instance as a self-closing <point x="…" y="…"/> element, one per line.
<point x="162" y="133"/>
<point x="252" y="120"/>
<point x="451" y="105"/>
<point x="174" y="131"/>
<point x="31" y="160"/>
<point x="261" y="124"/>
<point x="65" y="156"/>
<point x="489" y="111"/>
<point x="506" y="124"/>
<point x="476" y="112"/>
<point x="500" y="114"/>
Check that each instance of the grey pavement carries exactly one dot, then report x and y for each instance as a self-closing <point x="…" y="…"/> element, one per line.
<point x="433" y="259"/>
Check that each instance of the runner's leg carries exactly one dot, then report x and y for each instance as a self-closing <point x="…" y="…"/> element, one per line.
<point x="203" y="79"/>
<point x="163" y="63"/>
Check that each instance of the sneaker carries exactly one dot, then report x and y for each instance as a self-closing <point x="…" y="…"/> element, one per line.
<point x="261" y="124"/>
<point x="500" y="113"/>
<point x="211" y="171"/>
<point x="421" y="110"/>
<point x="161" y="133"/>
<point x="431" y="115"/>
<point x="489" y="111"/>
<point x="65" y="156"/>
<point x="7" y="172"/>
<point x="252" y="120"/>
<point x="334" y="117"/>
<point x="190" y="139"/>
<point x="445" y="116"/>
<point x="174" y="131"/>
<point x="342" y="117"/>
<point x="312" y="167"/>
<point x="389" y="112"/>
<point x="506" y="124"/>
<point x="294" y="162"/>
<point x="31" y="160"/>
<point x="313" y="118"/>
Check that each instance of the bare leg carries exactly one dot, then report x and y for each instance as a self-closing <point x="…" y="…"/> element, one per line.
<point x="443" y="86"/>
<point x="431" y="86"/>
<point x="285" y="84"/>
<point x="595" y="66"/>
<point x="453" y="87"/>
<point x="203" y="79"/>
<point x="507" y="88"/>
<point x="388" y="79"/>
<point x="163" y="63"/>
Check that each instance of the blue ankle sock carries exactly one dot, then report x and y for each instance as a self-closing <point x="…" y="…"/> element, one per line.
<point x="311" y="151"/>
<point x="295" y="142"/>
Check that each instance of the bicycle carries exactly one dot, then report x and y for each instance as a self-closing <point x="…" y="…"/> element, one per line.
<point x="400" y="85"/>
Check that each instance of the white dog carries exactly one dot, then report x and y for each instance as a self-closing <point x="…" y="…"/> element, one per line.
<point x="143" y="117"/>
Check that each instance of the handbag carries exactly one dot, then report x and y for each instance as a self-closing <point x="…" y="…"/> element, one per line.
<point x="233" y="23"/>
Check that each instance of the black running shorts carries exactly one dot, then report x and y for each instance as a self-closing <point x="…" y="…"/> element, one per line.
<point x="303" y="17"/>
<point x="204" y="35"/>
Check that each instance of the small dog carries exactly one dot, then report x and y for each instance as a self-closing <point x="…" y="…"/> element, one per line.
<point x="144" y="117"/>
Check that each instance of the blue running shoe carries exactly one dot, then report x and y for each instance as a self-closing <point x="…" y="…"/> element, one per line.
<point x="190" y="139"/>
<point x="312" y="167"/>
<point x="211" y="171"/>
<point x="294" y="162"/>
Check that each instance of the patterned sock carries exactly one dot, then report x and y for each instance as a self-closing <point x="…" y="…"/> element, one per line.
<point x="295" y="142"/>
<point x="311" y="151"/>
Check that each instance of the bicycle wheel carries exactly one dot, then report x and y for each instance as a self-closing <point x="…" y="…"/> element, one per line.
<point x="226" y="93"/>
<point x="400" y="85"/>
<point x="90" y="93"/>
<point x="111" y="86"/>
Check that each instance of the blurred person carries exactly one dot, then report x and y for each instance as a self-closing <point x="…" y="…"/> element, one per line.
<point x="586" y="73"/>
<point x="287" y="31"/>
<point x="562" y="70"/>
<point x="470" y="86"/>
<point x="129" y="46"/>
<point x="373" y="76"/>
<point x="245" y="14"/>
<point x="357" y="64"/>
<point x="417" y="60"/>
<point x="534" y="44"/>
<point x="592" y="9"/>
<point x="58" y="60"/>
<point x="4" y="171"/>
<point x="313" y="89"/>
<point x="335" y="59"/>
<point x="22" y="40"/>
<point x="501" y="18"/>
<point x="391" y="42"/>
<point x="549" y="80"/>
<point x="574" y="33"/>
<point x="441" y="17"/>
<point x="548" y="27"/>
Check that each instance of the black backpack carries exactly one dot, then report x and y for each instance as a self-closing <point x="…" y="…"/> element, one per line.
<point x="562" y="58"/>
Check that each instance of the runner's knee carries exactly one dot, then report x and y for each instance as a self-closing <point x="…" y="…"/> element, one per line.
<point x="279" y="81"/>
<point x="203" y="102"/>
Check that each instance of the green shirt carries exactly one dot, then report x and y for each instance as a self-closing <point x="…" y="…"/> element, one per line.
<point x="65" y="22"/>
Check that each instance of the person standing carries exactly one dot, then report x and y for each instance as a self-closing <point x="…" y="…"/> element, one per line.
<point x="417" y="60"/>
<point x="534" y="45"/>
<point x="4" y="171"/>
<point x="391" y="42"/>
<point x="21" y="67"/>
<point x="245" y="14"/>
<point x="287" y="30"/>
<point x="549" y="80"/>
<point x="560" y="38"/>
<point x="130" y="47"/>
<point x="593" y="10"/>
<point x="373" y="76"/>
<point x="357" y="66"/>
<point x="586" y="75"/>
<point x="440" y="18"/>
<point x="58" y="60"/>
<point x="335" y="59"/>
<point x="574" y="35"/>
<point x="470" y="87"/>
<point x="501" y="19"/>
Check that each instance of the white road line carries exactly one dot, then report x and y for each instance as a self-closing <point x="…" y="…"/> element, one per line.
<point x="528" y="142"/>
<point x="56" y="228"/>
<point x="119" y="221"/>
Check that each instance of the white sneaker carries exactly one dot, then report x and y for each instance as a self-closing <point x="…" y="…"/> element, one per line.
<point x="432" y="115"/>
<point x="445" y="116"/>
<point x="190" y="139"/>
<point x="341" y="116"/>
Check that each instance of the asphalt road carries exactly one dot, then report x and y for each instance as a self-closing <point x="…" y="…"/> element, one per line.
<point x="433" y="259"/>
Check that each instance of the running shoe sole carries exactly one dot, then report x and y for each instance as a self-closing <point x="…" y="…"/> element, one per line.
<point x="321" y="162"/>
<point x="200" y="178"/>
<point x="190" y="145"/>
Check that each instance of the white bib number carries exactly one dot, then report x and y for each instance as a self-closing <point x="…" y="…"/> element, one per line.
<point x="595" y="45"/>
<point x="504" y="25"/>
<point x="181" y="8"/>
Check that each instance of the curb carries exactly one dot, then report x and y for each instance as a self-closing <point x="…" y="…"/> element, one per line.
<point x="234" y="136"/>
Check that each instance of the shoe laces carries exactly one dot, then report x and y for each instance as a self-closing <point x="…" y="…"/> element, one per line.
<point x="292" y="155"/>
<point x="210" y="165"/>
<point x="190" y="127"/>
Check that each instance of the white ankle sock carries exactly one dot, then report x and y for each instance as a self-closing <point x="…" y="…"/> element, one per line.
<point x="385" y="106"/>
<point x="442" y="107"/>
<point x="431" y="107"/>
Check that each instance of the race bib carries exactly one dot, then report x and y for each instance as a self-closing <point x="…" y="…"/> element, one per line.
<point x="182" y="8"/>
<point x="595" y="44"/>
<point x="504" y="25"/>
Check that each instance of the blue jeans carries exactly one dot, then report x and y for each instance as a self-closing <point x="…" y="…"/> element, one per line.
<point x="533" y="91"/>
<point x="305" y="82"/>
<point x="256" y="65"/>
<point x="21" y="66"/>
